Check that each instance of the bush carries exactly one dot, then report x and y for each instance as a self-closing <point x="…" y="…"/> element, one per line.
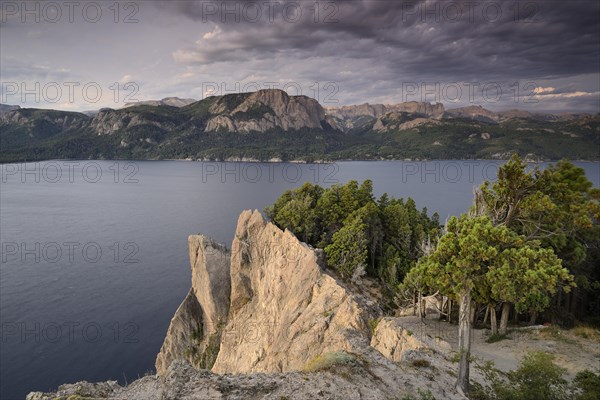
<point x="539" y="378"/>
<point x="587" y="385"/>
<point x="423" y="395"/>
<point x="420" y="363"/>
<point x="373" y="325"/>
<point x="496" y="337"/>
<point x="536" y="378"/>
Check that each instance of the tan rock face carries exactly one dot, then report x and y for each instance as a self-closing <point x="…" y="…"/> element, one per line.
<point x="179" y="338"/>
<point x="284" y="310"/>
<point x="108" y="122"/>
<point x="418" y="122"/>
<point x="393" y="341"/>
<point x="287" y="113"/>
<point x="379" y="110"/>
<point x="220" y="122"/>
<point x="393" y="125"/>
<point x="210" y="279"/>
<point x="195" y="327"/>
<point x="397" y="343"/>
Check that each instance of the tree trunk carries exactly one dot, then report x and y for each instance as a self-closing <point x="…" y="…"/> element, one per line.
<point x="504" y="318"/>
<point x="533" y="316"/>
<point x="487" y="314"/>
<point x="415" y="302"/>
<point x="493" y="320"/>
<point x="419" y="301"/>
<point x="443" y="307"/>
<point x="464" y="341"/>
<point x="449" y="311"/>
<point x="559" y="298"/>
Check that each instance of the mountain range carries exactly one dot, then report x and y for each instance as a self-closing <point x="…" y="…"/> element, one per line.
<point x="271" y="125"/>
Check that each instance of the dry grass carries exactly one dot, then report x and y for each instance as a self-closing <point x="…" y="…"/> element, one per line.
<point x="555" y="333"/>
<point x="327" y="361"/>
<point x="586" y="332"/>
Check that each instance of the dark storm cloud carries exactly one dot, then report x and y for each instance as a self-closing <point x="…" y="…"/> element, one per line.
<point x="456" y="40"/>
<point x="370" y="50"/>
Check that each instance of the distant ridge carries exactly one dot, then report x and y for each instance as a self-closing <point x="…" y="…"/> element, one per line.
<point x="270" y="125"/>
<point x="167" y="101"/>
<point x="4" y="108"/>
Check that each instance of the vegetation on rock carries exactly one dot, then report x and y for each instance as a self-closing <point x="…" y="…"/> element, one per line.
<point x="383" y="238"/>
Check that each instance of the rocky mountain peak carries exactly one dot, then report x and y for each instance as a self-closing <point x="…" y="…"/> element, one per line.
<point x="264" y="110"/>
<point x="5" y="108"/>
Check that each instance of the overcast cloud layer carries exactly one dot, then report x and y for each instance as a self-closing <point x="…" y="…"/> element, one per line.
<point x="535" y="55"/>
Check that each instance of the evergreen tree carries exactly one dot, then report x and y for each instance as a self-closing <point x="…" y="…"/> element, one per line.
<point x="474" y="253"/>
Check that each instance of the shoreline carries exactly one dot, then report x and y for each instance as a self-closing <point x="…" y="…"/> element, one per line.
<point x="279" y="161"/>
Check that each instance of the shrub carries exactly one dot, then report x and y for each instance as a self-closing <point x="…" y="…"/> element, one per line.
<point x="536" y="378"/>
<point x="373" y="325"/>
<point x="587" y="385"/>
<point x="496" y="337"/>
<point x="423" y="395"/>
<point x="420" y="363"/>
<point x="327" y="361"/>
<point x="539" y="378"/>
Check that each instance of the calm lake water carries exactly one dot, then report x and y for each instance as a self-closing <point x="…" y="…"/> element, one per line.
<point x="95" y="259"/>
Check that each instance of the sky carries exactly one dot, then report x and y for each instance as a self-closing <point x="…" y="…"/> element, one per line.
<point x="503" y="54"/>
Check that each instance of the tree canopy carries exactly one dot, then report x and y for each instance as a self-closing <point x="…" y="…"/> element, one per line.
<point x="383" y="237"/>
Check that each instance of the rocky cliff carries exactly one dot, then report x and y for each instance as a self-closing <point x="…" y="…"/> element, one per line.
<point x="379" y="110"/>
<point x="4" y="108"/>
<point x="349" y="118"/>
<point x="270" y="309"/>
<point x="268" y="321"/>
<point x="264" y="110"/>
<point x="284" y="309"/>
<point x="194" y="332"/>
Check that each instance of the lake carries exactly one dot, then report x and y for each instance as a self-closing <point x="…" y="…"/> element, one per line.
<point x="95" y="259"/>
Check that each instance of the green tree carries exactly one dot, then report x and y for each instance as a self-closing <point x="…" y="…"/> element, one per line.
<point x="370" y="217"/>
<point x="337" y="203"/>
<point x="348" y="250"/>
<point x="473" y="250"/>
<point x="394" y="231"/>
<point x="557" y="206"/>
<point x="295" y="210"/>
<point x="527" y="277"/>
